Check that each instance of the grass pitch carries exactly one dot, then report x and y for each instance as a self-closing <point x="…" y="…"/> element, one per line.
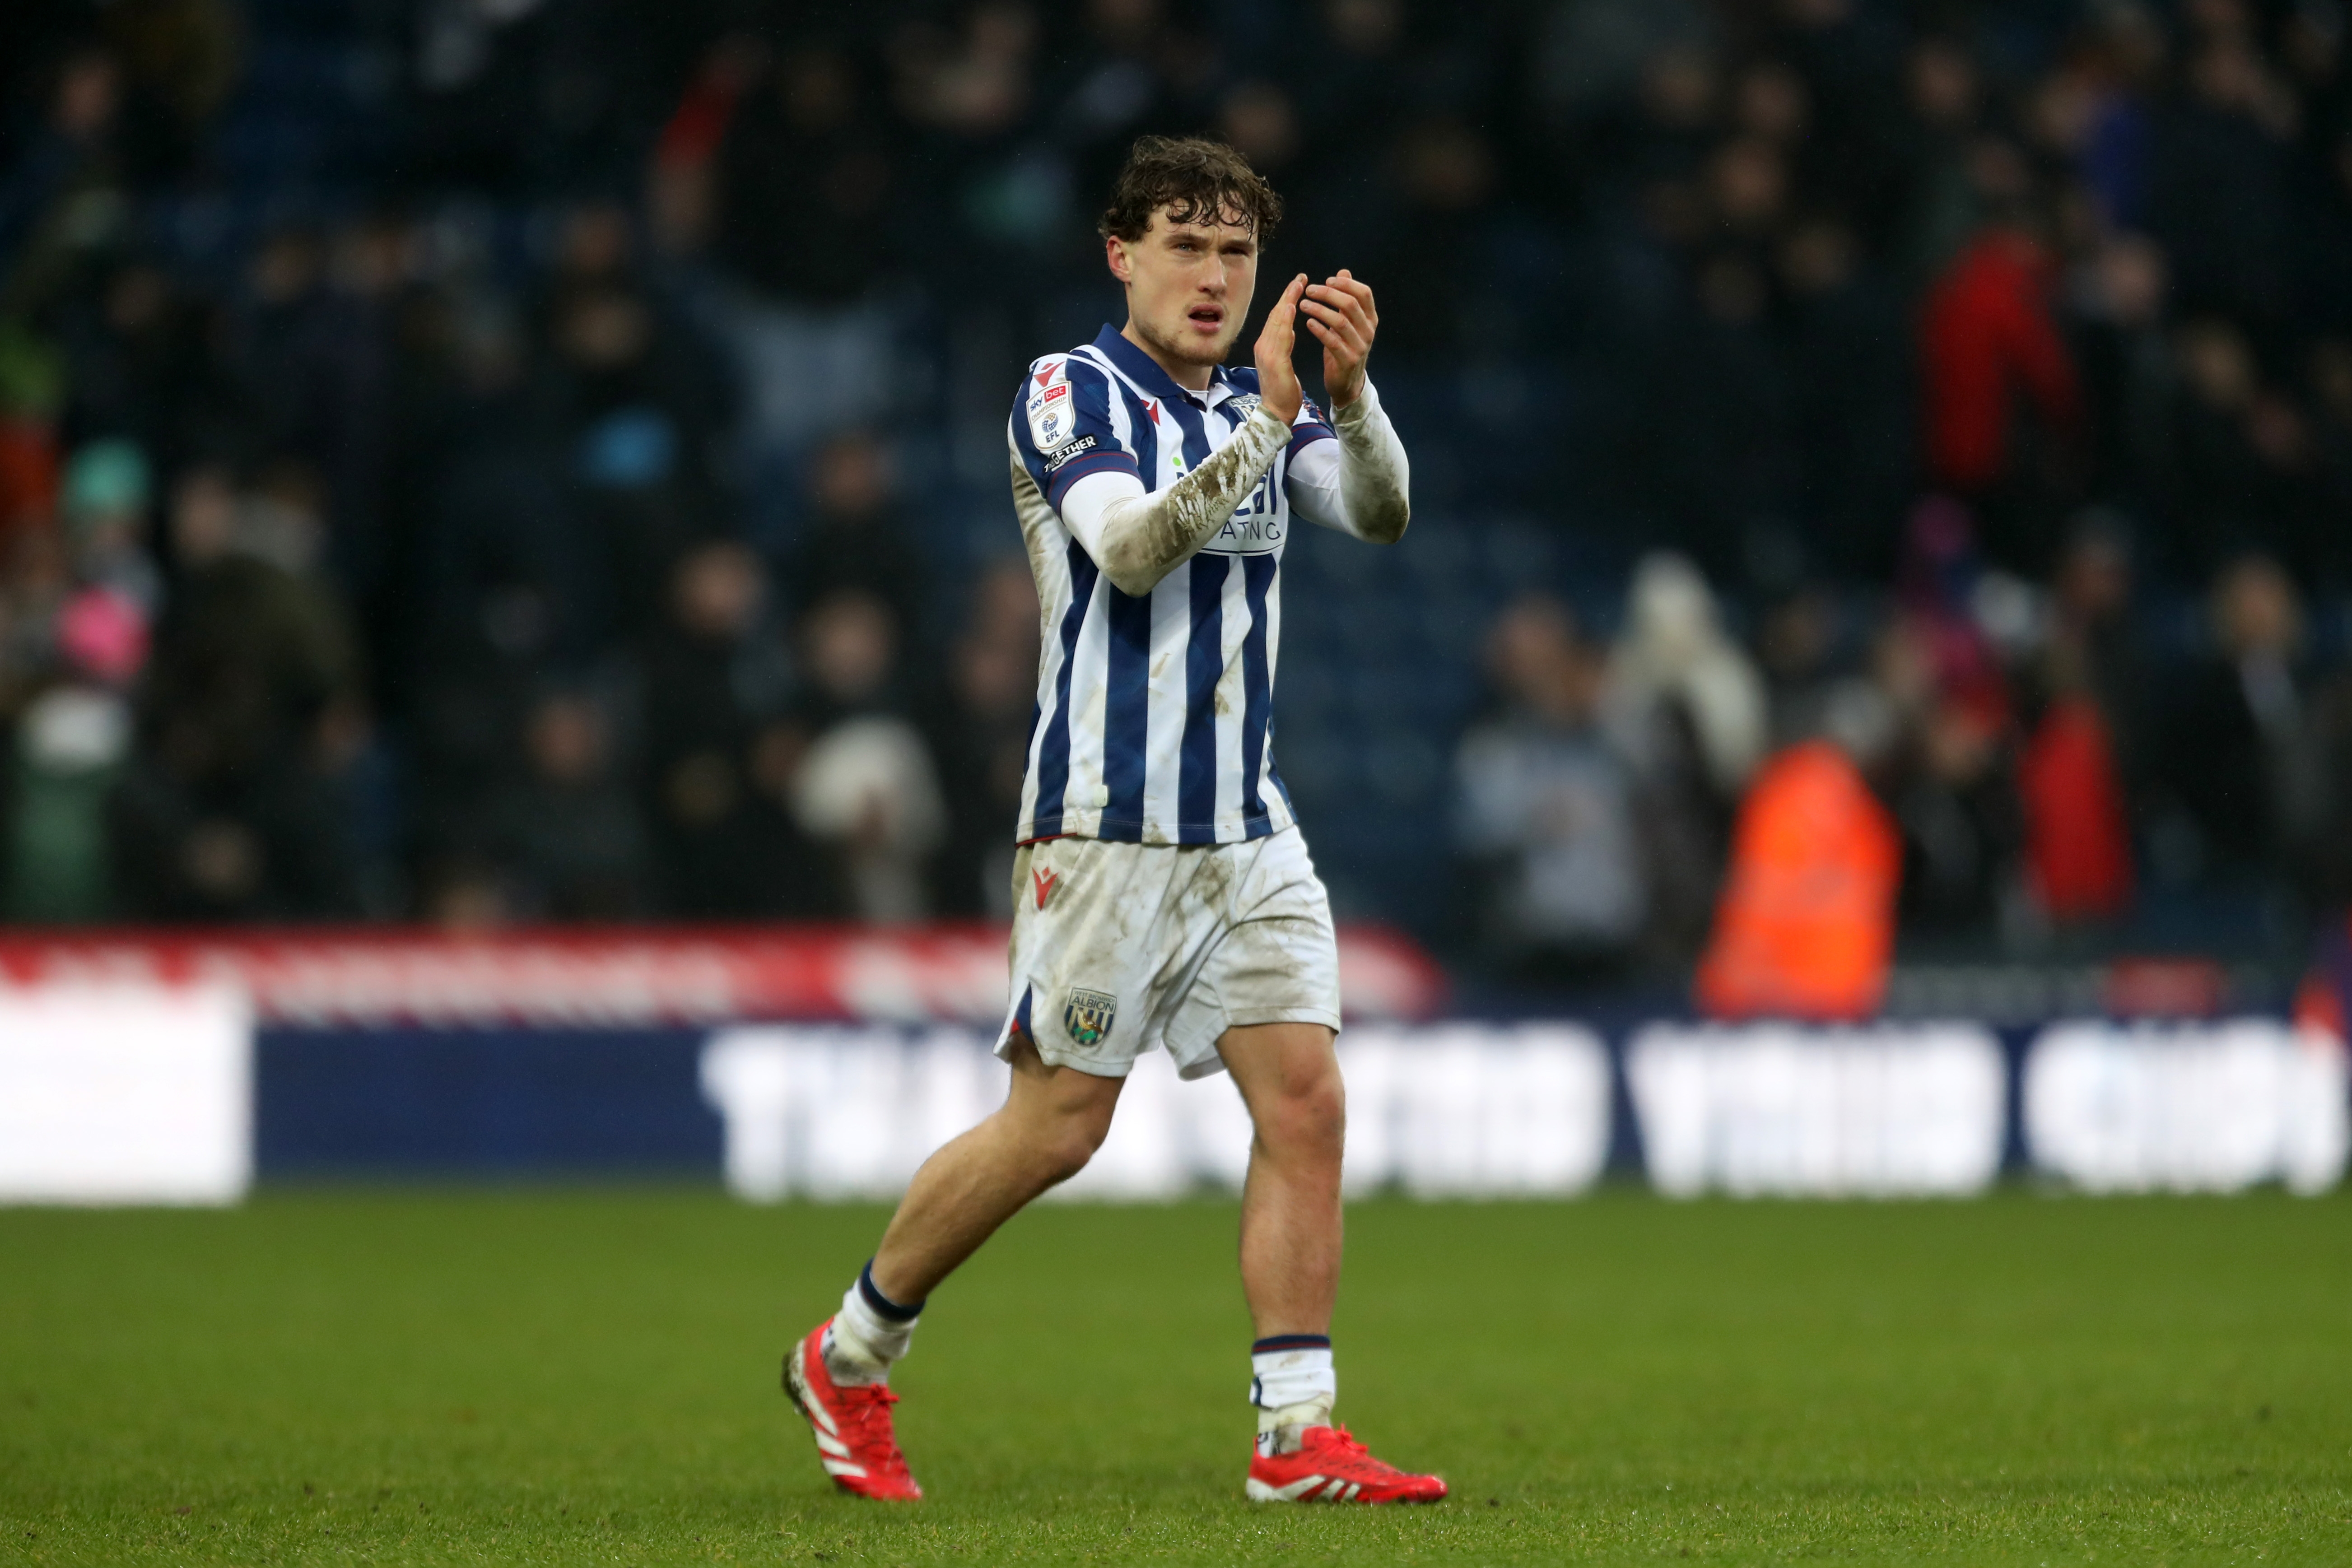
<point x="590" y="1377"/>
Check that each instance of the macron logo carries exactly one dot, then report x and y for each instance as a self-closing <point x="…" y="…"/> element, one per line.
<point x="1047" y="882"/>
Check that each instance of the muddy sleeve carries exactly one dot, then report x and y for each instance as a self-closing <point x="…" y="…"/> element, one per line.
<point x="1360" y="484"/>
<point x="1137" y="538"/>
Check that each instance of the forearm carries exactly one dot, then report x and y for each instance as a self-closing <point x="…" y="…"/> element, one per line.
<point x="1360" y="484"/>
<point x="1137" y="538"/>
<point x="1375" y="478"/>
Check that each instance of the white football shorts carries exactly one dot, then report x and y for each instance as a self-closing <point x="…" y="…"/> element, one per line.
<point x="1119" y="949"/>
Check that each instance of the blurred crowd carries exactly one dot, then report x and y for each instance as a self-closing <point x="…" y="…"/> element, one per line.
<point x="482" y="460"/>
<point x="1978" y="763"/>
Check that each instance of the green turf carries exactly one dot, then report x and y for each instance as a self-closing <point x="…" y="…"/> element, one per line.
<point x="589" y="1377"/>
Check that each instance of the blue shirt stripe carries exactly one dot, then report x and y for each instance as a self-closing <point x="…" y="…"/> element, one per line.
<point x="1143" y="432"/>
<point x="1053" y="756"/>
<point x="1257" y="688"/>
<point x="1204" y="664"/>
<point x="1127" y="708"/>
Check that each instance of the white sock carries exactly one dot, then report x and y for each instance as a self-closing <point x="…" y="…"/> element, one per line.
<point x="1294" y="1386"/>
<point x="863" y="1343"/>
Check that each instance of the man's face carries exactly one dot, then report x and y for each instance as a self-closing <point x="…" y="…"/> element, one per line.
<point x="1187" y="285"/>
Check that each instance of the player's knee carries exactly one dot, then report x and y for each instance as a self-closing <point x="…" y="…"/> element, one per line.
<point x="1310" y="1115"/>
<point x="1068" y="1140"/>
<point x="1065" y="1153"/>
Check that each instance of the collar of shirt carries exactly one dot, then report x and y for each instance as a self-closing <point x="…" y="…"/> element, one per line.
<point x="1146" y="372"/>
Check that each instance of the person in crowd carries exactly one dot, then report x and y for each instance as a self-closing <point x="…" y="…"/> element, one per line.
<point x="66" y="191"/>
<point x="571" y="828"/>
<point x="1685" y="706"/>
<point x="631" y="409"/>
<point x="1806" y="925"/>
<point x="714" y="670"/>
<point x="865" y="789"/>
<point x="250" y="719"/>
<point x="2220" y="171"/>
<point x="1673" y="652"/>
<point x="1854" y="401"/>
<point x="2122" y="341"/>
<point x="1987" y="335"/>
<point x="2238" y="752"/>
<point x="2244" y="474"/>
<point x="805" y="174"/>
<point x="104" y="507"/>
<point x="73" y="736"/>
<point x="2081" y="763"/>
<point x="1949" y="781"/>
<point x="1798" y="640"/>
<point x="1545" y="807"/>
<point x="856" y="539"/>
<point x="683" y="190"/>
<point x="980" y="738"/>
<point x="1933" y="199"/>
<point x="2078" y="850"/>
<point x="2093" y="639"/>
<point x="31" y="467"/>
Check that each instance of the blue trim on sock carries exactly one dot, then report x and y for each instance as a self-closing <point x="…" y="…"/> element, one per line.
<point x="1291" y="1342"/>
<point x="882" y="1306"/>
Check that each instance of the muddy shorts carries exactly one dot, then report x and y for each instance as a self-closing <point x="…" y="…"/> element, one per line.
<point x="1119" y="949"/>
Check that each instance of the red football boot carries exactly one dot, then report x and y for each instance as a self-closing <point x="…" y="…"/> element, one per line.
<point x="1332" y="1466"/>
<point x="853" y="1440"/>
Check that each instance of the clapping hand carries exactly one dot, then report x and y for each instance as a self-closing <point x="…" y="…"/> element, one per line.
<point x="1277" y="379"/>
<point x="1340" y="313"/>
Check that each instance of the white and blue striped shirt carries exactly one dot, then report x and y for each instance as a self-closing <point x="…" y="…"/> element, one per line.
<point x="1155" y="715"/>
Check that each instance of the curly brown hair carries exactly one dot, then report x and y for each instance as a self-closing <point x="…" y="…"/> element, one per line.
<point x="1197" y="180"/>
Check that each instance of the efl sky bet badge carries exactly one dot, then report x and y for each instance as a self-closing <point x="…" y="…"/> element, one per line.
<point x="1089" y="1016"/>
<point x="1053" y="411"/>
<point x="1243" y="405"/>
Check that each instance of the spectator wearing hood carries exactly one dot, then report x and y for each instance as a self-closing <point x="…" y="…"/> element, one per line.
<point x="1686" y="707"/>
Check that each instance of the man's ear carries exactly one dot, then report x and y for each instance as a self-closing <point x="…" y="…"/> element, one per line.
<point x="1115" y="256"/>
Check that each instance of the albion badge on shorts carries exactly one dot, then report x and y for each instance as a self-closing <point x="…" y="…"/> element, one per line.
<point x="1089" y="1016"/>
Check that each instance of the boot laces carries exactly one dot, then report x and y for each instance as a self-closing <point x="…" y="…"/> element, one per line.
<point x="1353" y="1457"/>
<point x="867" y="1409"/>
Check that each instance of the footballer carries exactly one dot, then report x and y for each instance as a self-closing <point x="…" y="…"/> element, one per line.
<point x="1163" y="895"/>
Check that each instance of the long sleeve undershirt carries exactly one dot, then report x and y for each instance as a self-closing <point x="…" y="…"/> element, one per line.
<point x="1358" y="484"/>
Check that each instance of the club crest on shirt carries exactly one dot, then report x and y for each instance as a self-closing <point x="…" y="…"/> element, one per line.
<point x="1053" y="415"/>
<point x="1089" y="1016"/>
